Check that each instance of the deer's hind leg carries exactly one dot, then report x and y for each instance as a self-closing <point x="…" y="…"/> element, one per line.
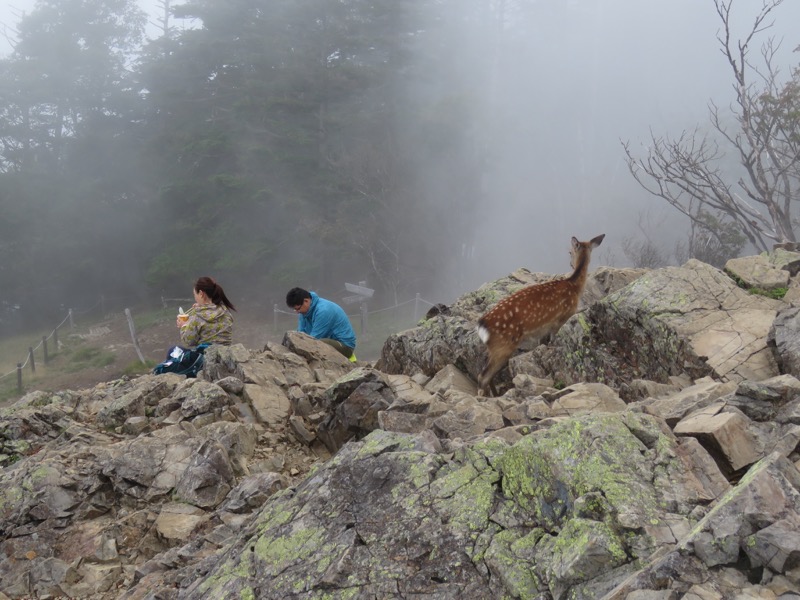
<point x="498" y="357"/>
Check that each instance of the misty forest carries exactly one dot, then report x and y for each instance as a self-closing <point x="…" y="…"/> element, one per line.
<point x="404" y="143"/>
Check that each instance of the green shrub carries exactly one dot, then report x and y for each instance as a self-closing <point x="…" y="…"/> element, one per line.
<point x="777" y="293"/>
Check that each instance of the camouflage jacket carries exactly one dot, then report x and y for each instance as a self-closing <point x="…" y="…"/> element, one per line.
<point x="209" y="324"/>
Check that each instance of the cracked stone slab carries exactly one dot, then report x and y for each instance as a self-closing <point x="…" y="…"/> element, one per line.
<point x="692" y="320"/>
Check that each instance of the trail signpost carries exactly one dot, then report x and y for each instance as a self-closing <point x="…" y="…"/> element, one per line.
<point x="361" y="293"/>
<point x="359" y="289"/>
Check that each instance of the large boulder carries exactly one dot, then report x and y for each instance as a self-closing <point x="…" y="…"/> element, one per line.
<point x="677" y="320"/>
<point x="565" y="512"/>
<point x="758" y="272"/>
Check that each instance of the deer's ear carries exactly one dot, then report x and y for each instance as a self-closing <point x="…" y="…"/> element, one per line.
<point x="575" y="242"/>
<point x="596" y="241"/>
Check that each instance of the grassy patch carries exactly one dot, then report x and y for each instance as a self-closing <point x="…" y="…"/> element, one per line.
<point x="8" y="391"/>
<point x="89" y="356"/>
<point x="30" y="380"/>
<point x="776" y="293"/>
<point x="143" y="320"/>
<point x="14" y="349"/>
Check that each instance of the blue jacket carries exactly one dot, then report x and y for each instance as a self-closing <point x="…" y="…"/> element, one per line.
<point x="326" y="319"/>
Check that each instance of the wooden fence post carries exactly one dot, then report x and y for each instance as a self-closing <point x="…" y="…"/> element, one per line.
<point x="363" y="318"/>
<point x="416" y="308"/>
<point x="44" y="347"/>
<point x="133" y="335"/>
<point x="55" y="340"/>
<point x="275" y="318"/>
<point x="71" y="322"/>
<point x="30" y="358"/>
<point x="19" y="377"/>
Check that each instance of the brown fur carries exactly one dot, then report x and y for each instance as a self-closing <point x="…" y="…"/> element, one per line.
<point x="533" y="312"/>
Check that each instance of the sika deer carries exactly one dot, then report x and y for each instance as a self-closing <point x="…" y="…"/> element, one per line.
<point x="533" y="312"/>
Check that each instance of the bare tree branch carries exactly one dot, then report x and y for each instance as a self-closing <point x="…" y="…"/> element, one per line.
<point x="692" y="172"/>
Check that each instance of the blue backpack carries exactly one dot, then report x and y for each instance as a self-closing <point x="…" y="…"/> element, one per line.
<point x="182" y="361"/>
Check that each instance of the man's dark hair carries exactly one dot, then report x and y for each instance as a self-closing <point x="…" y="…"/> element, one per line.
<point x="295" y="297"/>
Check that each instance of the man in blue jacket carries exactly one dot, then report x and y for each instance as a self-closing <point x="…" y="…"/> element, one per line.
<point x="323" y="319"/>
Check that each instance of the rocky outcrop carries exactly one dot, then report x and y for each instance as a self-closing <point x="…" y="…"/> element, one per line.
<point x="126" y="482"/>
<point x="678" y="320"/>
<point x="397" y="515"/>
<point x="449" y="338"/>
<point x="689" y="321"/>
<point x="648" y="452"/>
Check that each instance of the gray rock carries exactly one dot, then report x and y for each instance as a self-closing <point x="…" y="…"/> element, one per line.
<point x="784" y="336"/>
<point x="319" y="355"/>
<point x="758" y="272"/>
<point x="675" y="407"/>
<point x="251" y="492"/>
<point x="582" y="398"/>
<point x="787" y="259"/>
<point x="451" y="378"/>
<point x="232" y="385"/>
<point x="222" y="362"/>
<point x="355" y="403"/>
<point x="726" y="435"/>
<point x="202" y="397"/>
<point x="776" y="546"/>
<point x="300" y="429"/>
<point x="269" y="402"/>
<point x="208" y="476"/>
<point x="145" y="393"/>
<point x="769" y="491"/>
<point x="640" y="389"/>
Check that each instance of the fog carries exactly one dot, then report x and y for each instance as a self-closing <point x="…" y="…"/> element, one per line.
<point x="12" y="10"/>
<point x="592" y="74"/>
<point x="550" y="100"/>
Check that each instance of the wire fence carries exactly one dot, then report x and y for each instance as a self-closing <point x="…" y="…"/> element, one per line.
<point x="48" y="351"/>
<point x="30" y="359"/>
<point x="407" y="311"/>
